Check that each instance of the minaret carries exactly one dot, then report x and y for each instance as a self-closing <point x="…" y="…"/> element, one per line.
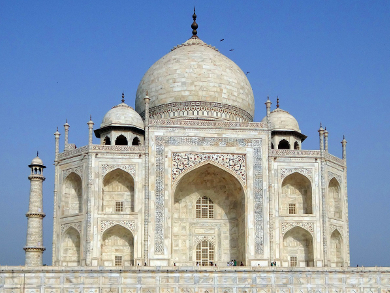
<point x="34" y="244"/>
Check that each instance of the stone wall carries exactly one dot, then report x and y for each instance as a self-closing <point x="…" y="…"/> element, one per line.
<point x="193" y="279"/>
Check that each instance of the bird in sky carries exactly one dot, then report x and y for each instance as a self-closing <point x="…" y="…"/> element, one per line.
<point x="231" y="50"/>
<point x="247" y="73"/>
<point x="221" y="40"/>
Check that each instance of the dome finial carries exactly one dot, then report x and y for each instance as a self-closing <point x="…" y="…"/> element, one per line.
<point x="194" y="25"/>
<point x="123" y="97"/>
<point x="277" y="102"/>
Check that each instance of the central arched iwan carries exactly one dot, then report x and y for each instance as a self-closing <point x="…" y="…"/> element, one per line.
<point x="208" y="202"/>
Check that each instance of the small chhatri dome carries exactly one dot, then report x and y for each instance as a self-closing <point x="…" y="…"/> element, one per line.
<point x="196" y="81"/>
<point x="282" y="120"/>
<point x="36" y="161"/>
<point x="122" y="115"/>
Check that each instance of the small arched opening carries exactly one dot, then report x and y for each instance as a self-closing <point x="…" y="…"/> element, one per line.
<point x="272" y="145"/>
<point x="296" y="145"/>
<point x="107" y="141"/>
<point x="284" y="145"/>
<point x="136" y="141"/>
<point x="121" y="140"/>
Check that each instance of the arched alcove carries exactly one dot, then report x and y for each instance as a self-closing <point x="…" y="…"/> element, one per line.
<point x="121" y="140"/>
<point x="118" y="192"/>
<point x="117" y="247"/>
<point x="335" y="205"/>
<point x="298" y="248"/>
<point x="283" y="145"/>
<point x="136" y="141"/>
<point x="71" y="200"/>
<point x="70" y="248"/>
<point x="107" y="141"/>
<point x="336" y="251"/>
<point x="208" y="201"/>
<point x="296" y="145"/>
<point x="296" y="195"/>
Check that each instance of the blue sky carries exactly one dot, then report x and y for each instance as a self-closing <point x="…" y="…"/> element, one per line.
<point x="328" y="61"/>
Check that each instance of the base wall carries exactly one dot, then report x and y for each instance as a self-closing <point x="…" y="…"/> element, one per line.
<point x="190" y="279"/>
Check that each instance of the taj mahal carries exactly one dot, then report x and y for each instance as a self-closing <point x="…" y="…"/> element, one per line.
<point x="184" y="185"/>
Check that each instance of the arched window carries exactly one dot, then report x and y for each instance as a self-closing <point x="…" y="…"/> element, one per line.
<point x="107" y="141"/>
<point x="204" y="208"/>
<point x="136" y="141"/>
<point x="296" y="145"/>
<point x="205" y="253"/>
<point x="284" y="145"/>
<point x="121" y="140"/>
<point x="272" y="146"/>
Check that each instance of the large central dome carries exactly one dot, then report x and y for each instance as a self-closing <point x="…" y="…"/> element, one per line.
<point x="195" y="81"/>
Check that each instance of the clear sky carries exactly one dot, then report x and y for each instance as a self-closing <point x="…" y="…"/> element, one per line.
<point x="328" y="61"/>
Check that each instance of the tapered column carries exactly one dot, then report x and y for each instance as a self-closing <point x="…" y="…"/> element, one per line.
<point x="34" y="245"/>
<point x="90" y="128"/>
<point x="326" y="139"/>
<point x="344" y="144"/>
<point x="66" y="137"/>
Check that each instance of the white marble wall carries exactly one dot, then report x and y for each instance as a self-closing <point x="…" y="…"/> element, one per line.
<point x="193" y="279"/>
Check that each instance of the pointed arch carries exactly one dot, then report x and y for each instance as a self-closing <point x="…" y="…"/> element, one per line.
<point x="298" y="248"/>
<point x="296" y="145"/>
<point x="296" y="195"/>
<point x="226" y="194"/>
<point x="336" y="249"/>
<point x="136" y="141"/>
<point x="117" y="247"/>
<point x="335" y="204"/>
<point x="241" y="179"/>
<point x="283" y="145"/>
<point x="107" y="141"/>
<point x="118" y="192"/>
<point x="121" y="140"/>
<point x="70" y="247"/>
<point x="71" y="199"/>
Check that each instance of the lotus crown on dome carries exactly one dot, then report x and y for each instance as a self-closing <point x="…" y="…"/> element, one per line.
<point x="122" y="115"/>
<point x="195" y="81"/>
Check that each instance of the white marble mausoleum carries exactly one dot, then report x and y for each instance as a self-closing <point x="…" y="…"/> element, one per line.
<point x="184" y="185"/>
